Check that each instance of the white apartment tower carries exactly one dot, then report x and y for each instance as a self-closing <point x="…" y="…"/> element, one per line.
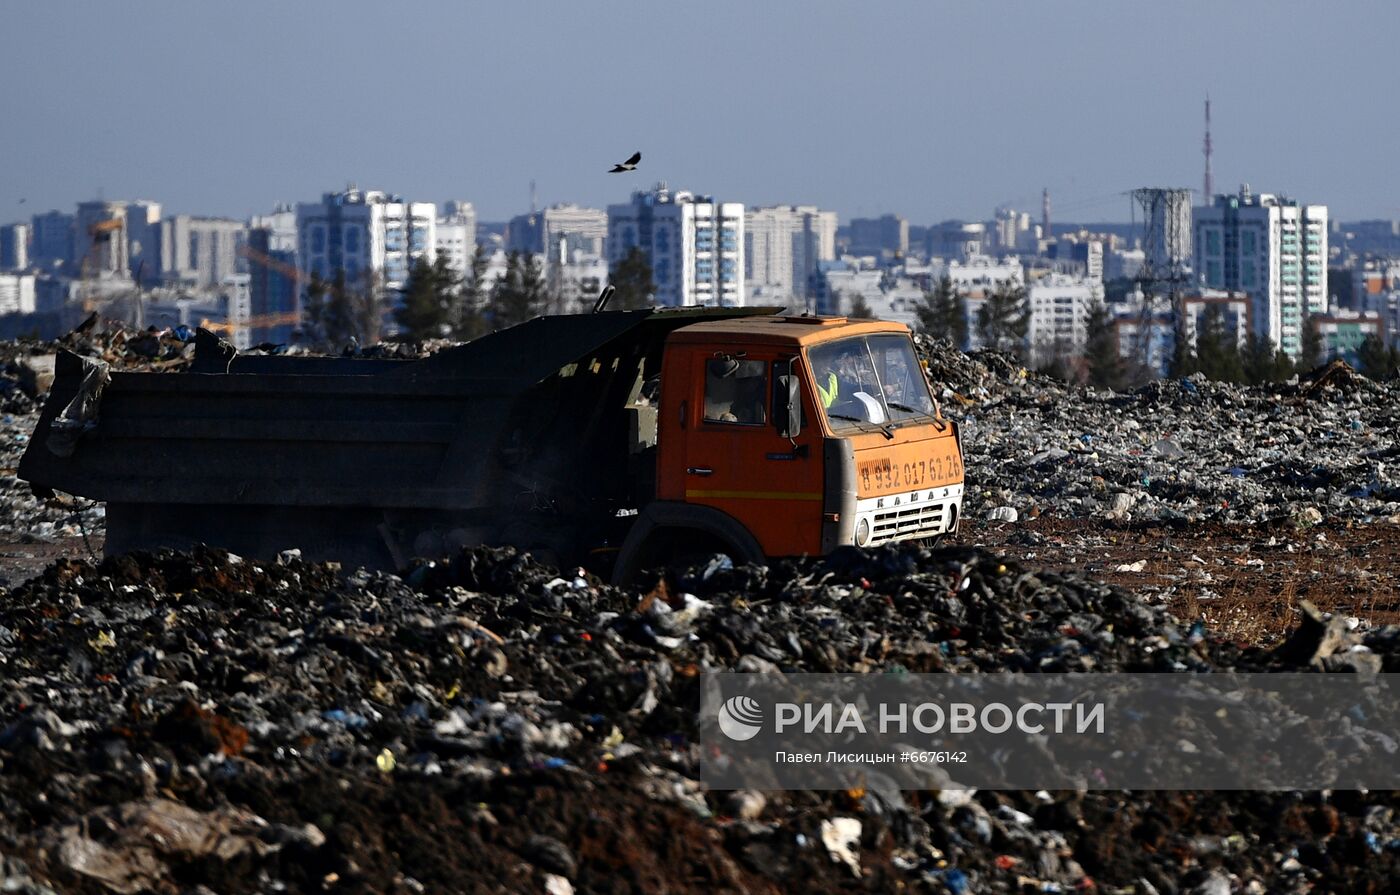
<point x="201" y="251"/>
<point x="695" y="245"/>
<point x="1271" y="248"/>
<point x="455" y="235"/>
<point x="143" y="238"/>
<point x="17" y="293"/>
<point x="1059" y="307"/>
<point x="14" y="247"/>
<point x="783" y="245"/>
<point x="281" y="227"/>
<point x="365" y="233"/>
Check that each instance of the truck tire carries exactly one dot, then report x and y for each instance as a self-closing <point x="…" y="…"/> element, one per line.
<point x="668" y="530"/>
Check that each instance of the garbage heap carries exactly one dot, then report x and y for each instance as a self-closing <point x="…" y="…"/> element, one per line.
<point x="26" y="373"/>
<point x="1323" y="446"/>
<point x="195" y="722"/>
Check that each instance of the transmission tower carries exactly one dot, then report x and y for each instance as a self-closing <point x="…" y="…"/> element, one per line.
<point x="1166" y="250"/>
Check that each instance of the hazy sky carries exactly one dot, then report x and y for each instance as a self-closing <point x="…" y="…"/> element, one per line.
<point x="930" y="109"/>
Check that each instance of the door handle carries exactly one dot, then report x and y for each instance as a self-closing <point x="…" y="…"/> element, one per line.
<point x="699" y="470"/>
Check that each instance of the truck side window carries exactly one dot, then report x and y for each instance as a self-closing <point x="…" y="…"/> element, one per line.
<point x="736" y="391"/>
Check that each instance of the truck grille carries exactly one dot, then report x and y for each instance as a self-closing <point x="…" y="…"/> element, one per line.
<point x="920" y="521"/>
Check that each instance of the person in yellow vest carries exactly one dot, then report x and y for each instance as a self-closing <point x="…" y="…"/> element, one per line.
<point x="841" y="378"/>
<point x="828" y="391"/>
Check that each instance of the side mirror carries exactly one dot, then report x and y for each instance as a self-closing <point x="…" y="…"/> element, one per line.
<point x="788" y="412"/>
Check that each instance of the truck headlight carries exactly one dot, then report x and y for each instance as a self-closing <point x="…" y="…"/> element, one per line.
<point x="862" y="532"/>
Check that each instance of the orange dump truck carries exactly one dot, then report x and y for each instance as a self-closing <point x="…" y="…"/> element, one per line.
<point x="619" y="441"/>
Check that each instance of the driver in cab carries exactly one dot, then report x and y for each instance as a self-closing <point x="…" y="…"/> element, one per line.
<point x="841" y="385"/>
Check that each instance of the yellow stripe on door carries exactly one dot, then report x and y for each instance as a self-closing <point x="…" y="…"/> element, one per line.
<point x="755" y="495"/>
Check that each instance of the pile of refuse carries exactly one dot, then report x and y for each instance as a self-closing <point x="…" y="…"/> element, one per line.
<point x="1185" y="450"/>
<point x="26" y="371"/>
<point x="194" y="722"/>
<point x="26" y="374"/>
<point x="25" y="519"/>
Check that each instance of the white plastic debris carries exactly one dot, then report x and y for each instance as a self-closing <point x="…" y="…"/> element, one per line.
<point x="841" y="836"/>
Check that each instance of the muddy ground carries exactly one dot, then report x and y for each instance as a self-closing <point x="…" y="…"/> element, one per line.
<point x="1244" y="581"/>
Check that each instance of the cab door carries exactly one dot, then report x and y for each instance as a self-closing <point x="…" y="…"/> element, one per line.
<point x="736" y="459"/>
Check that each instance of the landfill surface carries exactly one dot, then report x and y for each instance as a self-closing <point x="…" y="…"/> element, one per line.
<point x="1187" y="450"/>
<point x="198" y="722"/>
<point x="483" y="723"/>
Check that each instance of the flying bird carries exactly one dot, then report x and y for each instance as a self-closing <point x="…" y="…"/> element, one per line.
<point x="629" y="165"/>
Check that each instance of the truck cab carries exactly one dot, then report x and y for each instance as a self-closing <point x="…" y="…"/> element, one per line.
<point x="794" y="435"/>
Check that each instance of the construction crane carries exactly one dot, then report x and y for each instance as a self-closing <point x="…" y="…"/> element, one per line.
<point x="263" y="260"/>
<point x="284" y="318"/>
<point x="100" y="233"/>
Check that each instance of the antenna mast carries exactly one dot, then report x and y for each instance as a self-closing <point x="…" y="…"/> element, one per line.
<point x="1206" y="150"/>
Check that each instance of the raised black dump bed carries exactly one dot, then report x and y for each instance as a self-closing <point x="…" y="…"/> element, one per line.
<point x="531" y="435"/>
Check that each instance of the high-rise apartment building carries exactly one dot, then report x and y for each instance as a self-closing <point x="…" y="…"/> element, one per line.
<point x="274" y="290"/>
<point x="1231" y="308"/>
<point x="17" y="293"/>
<point x="51" y="242"/>
<point x="14" y="247"/>
<point x="695" y="245"/>
<point x="559" y="232"/>
<point x="768" y="266"/>
<point x="1341" y="333"/>
<point x="453" y="242"/>
<point x="1271" y="248"/>
<point x="99" y="237"/>
<point x="143" y="238"/>
<point x="975" y="278"/>
<point x="1082" y="254"/>
<point x="460" y="210"/>
<point x="574" y="284"/>
<point x="201" y="251"/>
<point x="783" y="246"/>
<point x="365" y="233"/>
<point x="118" y="237"/>
<point x="956" y="240"/>
<point x="887" y="235"/>
<point x="1058" y="306"/>
<point x="281" y="225"/>
<point x="455" y="235"/>
<point x="1012" y="231"/>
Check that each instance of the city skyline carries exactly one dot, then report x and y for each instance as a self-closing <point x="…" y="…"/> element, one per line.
<point x="964" y="111"/>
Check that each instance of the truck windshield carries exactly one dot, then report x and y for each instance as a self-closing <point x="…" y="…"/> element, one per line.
<point x="867" y="380"/>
